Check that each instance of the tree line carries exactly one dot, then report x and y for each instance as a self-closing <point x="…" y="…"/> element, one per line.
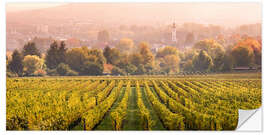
<point x="126" y="58"/>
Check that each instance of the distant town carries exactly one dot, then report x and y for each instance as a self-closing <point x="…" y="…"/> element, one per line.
<point x="44" y="26"/>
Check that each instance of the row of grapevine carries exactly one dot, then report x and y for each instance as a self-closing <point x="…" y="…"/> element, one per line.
<point x="93" y="116"/>
<point x="171" y="120"/>
<point x="178" y="103"/>
<point x="212" y="99"/>
<point x="189" y="103"/>
<point x="247" y="97"/>
<point x="233" y="101"/>
<point x="37" y="110"/>
<point x="193" y="119"/>
<point x="146" y="120"/>
<point x="101" y="96"/>
<point x="119" y="113"/>
<point x="51" y="109"/>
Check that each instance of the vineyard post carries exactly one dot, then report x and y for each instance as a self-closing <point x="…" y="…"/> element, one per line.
<point x="147" y="124"/>
<point x="84" y="128"/>
<point x="96" y="97"/>
<point x="115" y="124"/>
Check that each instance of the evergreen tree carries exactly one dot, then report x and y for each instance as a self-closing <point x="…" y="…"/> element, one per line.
<point x="30" y="49"/>
<point x="55" y="55"/>
<point x="106" y="53"/>
<point x="112" y="55"/>
<point x="62" y="53"/>
<point x="16" y="64"/>
<point x="51" y="60"/>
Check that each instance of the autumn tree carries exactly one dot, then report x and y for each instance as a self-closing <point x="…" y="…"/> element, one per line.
<point x="242" y="55"/>
<point x="136" y="59"/>
<point x="214" y="49"/>
<point x="210" y="46"/>
<point x="169" y="59"/>
<point x="125" y="45"/>
<point x="94" y="55"/>
<point x="188" y="54"/>
<point x="32" y="63"/>
<point x="202" y="62"/>
<point x="86" y="61"/>
<point x="254" y="46"/>
<point x="170" y="64"/>
<point x="143" y="59"/>
<point x="123" y="61"/>
<point x="75" y="58"/>
<point x="148" y="57"/>
<point x="168" y="50"/>
<point x="126" y="65"/>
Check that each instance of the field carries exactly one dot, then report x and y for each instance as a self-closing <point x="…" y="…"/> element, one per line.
<point x="208" y="102"/>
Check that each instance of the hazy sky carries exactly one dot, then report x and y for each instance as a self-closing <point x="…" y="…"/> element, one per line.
<point x="11" y="7"/>
<point x="226" y="14"/>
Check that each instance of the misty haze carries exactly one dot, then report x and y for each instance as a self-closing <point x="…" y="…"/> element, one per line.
<point x="132" y="66"/>
<point x="149" y="22"/>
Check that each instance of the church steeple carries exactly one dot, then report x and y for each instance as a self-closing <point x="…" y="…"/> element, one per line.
<point x="174" y="32"/>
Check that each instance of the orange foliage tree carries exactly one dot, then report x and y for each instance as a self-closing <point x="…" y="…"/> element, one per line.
<point x="246" y="52"/>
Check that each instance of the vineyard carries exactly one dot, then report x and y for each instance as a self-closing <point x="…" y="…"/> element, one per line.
<point x="130" y="103"/>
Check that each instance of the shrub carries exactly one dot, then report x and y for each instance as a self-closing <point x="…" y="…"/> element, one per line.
<point x="64" y="70"/>
<point x="52" y="72"/>
<point x="72" y="73"/>
<point x="40" y="72"/>
<point x="11" y="74"/>
<point x="118" y="71"/>
<point x="91" y="68"/>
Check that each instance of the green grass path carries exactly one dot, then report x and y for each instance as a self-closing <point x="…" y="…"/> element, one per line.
<point x="132" y="121"/>
<point x="106" y="123"/>
<point x="158" y="124"/>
